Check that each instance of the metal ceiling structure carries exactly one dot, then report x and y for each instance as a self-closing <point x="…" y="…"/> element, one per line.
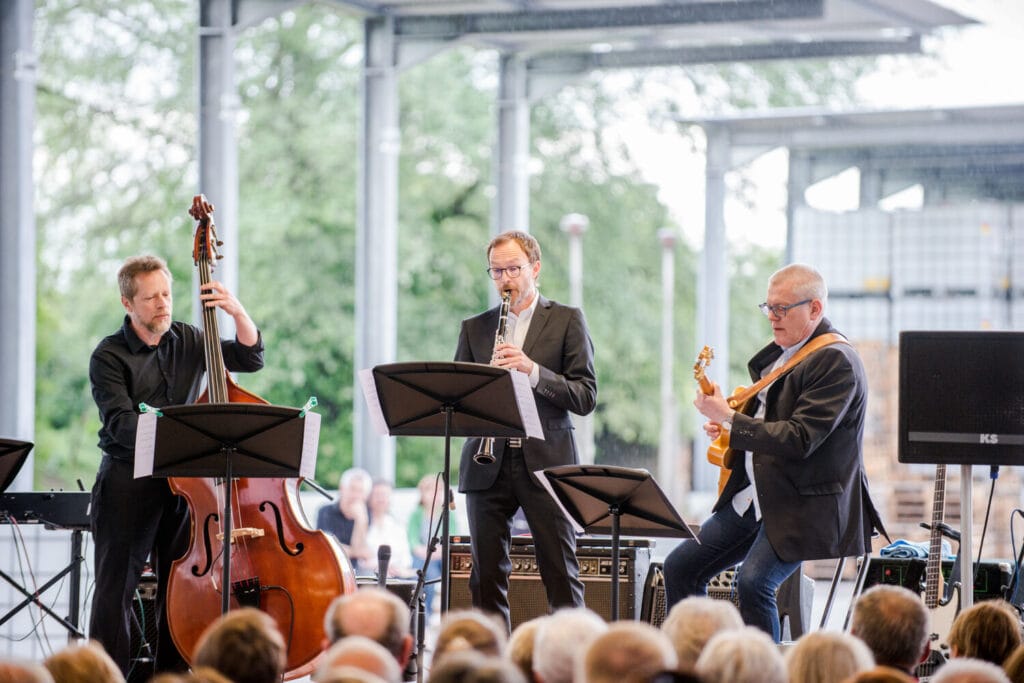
<point x="542" y="45"/>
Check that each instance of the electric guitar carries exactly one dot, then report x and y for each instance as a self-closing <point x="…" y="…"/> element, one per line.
<point x="719" y="453"/>
<point x="941" y="612"/>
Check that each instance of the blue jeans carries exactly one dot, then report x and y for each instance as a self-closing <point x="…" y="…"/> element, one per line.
<point x="726" y="539"/>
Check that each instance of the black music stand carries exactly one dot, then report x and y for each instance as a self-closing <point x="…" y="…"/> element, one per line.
<point x="602" y="499"/>
<point x="450" y="399"/>
<point x="227" y="440"/>
<point x="12" y="456"/>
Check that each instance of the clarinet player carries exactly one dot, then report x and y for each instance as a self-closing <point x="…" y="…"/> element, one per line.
<point x="551" y="344"/>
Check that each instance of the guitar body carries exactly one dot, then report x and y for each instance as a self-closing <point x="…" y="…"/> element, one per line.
<point x="719" y="454"/>
<point x="940" y="621"/>
<point x="940" y="614"/>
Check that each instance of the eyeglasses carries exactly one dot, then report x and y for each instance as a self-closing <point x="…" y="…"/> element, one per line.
<point x="513" y="271"/>
<point x="779" y="310"/>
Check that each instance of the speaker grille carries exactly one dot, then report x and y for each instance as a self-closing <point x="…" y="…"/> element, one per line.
<point x="526" y="595"/>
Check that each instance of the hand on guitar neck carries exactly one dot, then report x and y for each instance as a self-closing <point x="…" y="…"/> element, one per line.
<point x="712" y="404"/>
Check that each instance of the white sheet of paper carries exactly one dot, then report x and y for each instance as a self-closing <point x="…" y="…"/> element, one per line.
<point x="527" y="406"/>
<point x="145" y="444"/>
<point x="543" y="479"/>
<point x="310" y="443"/>
<point x="373" y="401"/>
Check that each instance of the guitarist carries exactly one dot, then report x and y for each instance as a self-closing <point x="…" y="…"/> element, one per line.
<point x="797" y="489"/>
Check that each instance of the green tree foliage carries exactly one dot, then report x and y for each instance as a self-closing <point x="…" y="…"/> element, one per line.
<point x="116" y="141"/>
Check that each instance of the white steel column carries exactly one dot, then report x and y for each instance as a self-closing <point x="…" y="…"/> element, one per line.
<point x="668" y="444"/>
<point x="17" y="230"/>
<point x="574" y="225"/>
<point x="511" y="206"/>
<point x="377" y="237"/>
<point x="713" y="287"/>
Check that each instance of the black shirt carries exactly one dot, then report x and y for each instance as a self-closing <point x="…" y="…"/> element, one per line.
<point x="125" y="371"/>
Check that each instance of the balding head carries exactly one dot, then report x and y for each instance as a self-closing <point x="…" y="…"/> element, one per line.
<point x="373" y="613"/>
<point x="361" y="653"/>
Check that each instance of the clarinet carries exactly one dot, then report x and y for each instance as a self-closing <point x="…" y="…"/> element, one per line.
<point x="485" y="456"/>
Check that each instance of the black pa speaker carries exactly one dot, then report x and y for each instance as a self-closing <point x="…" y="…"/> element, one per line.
<point x="526" y="594"/>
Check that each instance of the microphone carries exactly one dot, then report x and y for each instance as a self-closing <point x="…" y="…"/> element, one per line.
<point x="383" y="558"/>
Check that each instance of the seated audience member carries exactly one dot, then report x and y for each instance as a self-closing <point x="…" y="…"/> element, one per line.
<point x="12" y="671"/>
<point x="969" y="670"/>
<point x="746" y="655"/>
<point x="827" y="657"/>
<point x="893" y="622"/>
<point x="521" y="644"/>
<point x="384" y="529"/>
<point x="496" y="670"/>
<point x="988" y="630"/>
<point x="882" y="674"/>
<point x="349" y="674"/>
<point x="1014" y="665"/>
<point x="83" y="663"/>
<point x="374" y="613"/>
<point x="347" y="518"/>
<point x="244" y="645"/>
<point x="627" y="652"/>
<point x="200" y="674"/>
<point x="422" y="524"/>
<point x="470" y="629"/>
<point x="362" y="653"/>
<point x="692" y="621"/>
<point x="561" y="639"/>
<point x="457" y="666"/>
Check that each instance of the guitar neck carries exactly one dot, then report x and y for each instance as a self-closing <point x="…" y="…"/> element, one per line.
<point x="933" y="574"/>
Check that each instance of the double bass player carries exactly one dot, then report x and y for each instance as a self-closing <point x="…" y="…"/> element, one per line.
<point x="161" y="362"/>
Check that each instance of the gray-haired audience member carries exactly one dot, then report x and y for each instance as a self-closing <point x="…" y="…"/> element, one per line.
<point x="827" y="657"/>
<point x="361" y="653"/>
<point x="628" y="652"/>
<point x="969" y="670"/>
<point x="560" y="640"/>
<point x="374" y="613"/>
<point x="349" y="674"/>
<point x="692" y="621"/>
<point x="893" y="622"/>
<point x="470" y="629"/>
<point x="13" y="671"/>
<point x="746" y="655"/>
<point x="521" y="643"/>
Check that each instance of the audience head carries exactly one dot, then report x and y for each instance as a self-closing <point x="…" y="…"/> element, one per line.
<point x="349" y="674"/>
<point x="882" y="674"/>
<point x="692" y="621"/>
<point x="23" y="672"/>
<point x="361" y="653"/>
<point x="244" y="645"/>
<point x="1014" y="665"/>
<point x="457" y="666"/>
<point x="521" y="645"/>
<point x="431" y="493"/>
<point x="827" y="657"/>
<point x="628" y="652"/>
<point x="469" y="629"/>
<point x="379" y="502"/>
<point x="199" y="674"/>
<point x="969" y="670"/>
<point x="893" y="622"/>
<point x="374" y="613"/>
<point x="560" y="639"/>
<point x="83" y="663"/>
<point x="988" y="630"/>
<point x="746" y="655"/>
<point x="354" y="485"/>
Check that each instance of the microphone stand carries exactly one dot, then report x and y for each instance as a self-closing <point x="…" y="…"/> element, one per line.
<point x="418" y="604"/>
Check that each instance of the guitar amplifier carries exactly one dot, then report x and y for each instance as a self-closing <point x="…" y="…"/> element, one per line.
<point x="526" y="594"/>
<point x="992" y="578"/>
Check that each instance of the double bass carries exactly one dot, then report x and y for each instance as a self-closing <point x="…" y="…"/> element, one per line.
<point x="278" y="564"/>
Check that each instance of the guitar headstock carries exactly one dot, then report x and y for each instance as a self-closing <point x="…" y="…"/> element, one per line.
<point x="205" y="243"/>
<point x="703" y="361"/>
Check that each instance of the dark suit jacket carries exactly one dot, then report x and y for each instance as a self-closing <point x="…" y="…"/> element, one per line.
<point x="558" y="341"/>
<point x="808" y="461"/>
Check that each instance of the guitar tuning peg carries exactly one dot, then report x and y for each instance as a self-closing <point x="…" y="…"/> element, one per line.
<point x="220" y="256"/>
<point x="219" y="243"/>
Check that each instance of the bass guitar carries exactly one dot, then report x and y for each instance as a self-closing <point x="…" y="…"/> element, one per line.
<point x="941" y="611"/>
<point x="719" y="453"/>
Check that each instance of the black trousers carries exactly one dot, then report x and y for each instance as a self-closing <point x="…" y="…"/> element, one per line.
<point x="490" y="515"/>
<point x="133" y="520"/>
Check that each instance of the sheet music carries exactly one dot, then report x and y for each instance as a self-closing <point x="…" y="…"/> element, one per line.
<point x="145" y="444"/>
<point x="527" y="406"/>
<point x="543" y="479"/>
<point x="310" y="444"/>
<point x="373" y="401"/>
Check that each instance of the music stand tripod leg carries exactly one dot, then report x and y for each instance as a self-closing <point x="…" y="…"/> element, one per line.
<point x="616" y="513"/>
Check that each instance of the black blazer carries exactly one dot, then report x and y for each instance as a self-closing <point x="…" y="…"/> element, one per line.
<point x="559" y="342"/>
<point x="809" y="464"/>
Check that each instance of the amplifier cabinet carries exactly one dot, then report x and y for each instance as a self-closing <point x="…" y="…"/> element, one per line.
<point x="526" y="594"/>
<point x="991" y="578"/>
